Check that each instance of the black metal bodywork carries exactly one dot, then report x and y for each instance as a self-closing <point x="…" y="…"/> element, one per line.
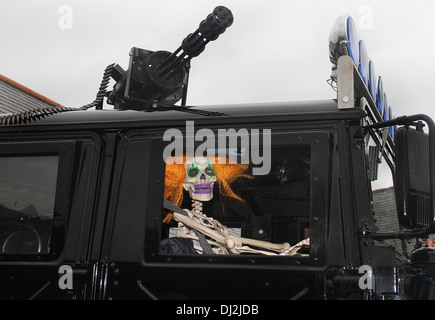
<point x="107" y="192"/>
<point x="107" y="226"/>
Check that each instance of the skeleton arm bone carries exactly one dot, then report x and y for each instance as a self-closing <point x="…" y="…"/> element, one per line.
<point x="197" y="226"/>
<point x="230" y="241"/>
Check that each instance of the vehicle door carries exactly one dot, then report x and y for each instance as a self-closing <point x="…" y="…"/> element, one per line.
<point x="48" y="185"/>
<point x="287" y="203"/>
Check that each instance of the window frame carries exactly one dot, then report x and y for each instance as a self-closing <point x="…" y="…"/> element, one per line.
<point x="65" y="150"/>
<point x="319" y="142"/>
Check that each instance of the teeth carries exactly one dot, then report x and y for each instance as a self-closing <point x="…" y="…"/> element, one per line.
<point x="202" y="188"/>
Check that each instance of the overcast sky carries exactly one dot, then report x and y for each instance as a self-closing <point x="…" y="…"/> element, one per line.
<point x="275" y="50"/>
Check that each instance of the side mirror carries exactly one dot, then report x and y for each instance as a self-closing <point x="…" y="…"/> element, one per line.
<point x="414" y="176"/>
<point x="412" y="180"/>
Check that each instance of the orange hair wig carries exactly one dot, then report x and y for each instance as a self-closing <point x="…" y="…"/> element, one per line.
<point x="226" y="173"/>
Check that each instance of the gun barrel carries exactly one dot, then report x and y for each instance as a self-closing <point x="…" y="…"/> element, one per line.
<point x="194" y="44"/>
<point x="161" y="75"/>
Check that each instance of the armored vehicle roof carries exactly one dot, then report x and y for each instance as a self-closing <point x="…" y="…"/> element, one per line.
<point x="228" y="114"/>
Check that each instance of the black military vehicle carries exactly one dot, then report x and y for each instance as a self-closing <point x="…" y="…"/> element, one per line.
<point x="91" y="198"/>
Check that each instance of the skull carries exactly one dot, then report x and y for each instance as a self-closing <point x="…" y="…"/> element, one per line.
<point x="200" y="178"/>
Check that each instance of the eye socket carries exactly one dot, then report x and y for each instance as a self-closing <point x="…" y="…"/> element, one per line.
<point x="193" y="172"/>
<point x="210" y="171"/>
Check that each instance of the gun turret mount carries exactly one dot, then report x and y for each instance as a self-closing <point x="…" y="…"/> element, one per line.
<point x="161" y="77"/>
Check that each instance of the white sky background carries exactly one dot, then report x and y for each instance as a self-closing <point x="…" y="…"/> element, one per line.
<point x="276" y="50"/>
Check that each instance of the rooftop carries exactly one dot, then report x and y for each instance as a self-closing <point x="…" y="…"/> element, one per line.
<point x="15" y="98"/>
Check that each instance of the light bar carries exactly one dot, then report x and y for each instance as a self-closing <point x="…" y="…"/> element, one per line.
<point x="344" y="40"/>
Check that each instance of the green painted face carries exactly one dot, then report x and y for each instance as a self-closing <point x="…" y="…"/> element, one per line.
<point x="193" y="171"/>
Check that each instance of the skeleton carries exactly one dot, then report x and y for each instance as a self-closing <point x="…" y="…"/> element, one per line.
<point x="199" y="182"/>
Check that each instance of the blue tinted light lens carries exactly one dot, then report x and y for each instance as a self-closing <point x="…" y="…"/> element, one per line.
<point x="352" y="40"/>
<point x="380" y="97"/>
<point x="363" y="62"/>
<point x="386" y="114"/>
<point x="372" y="80"/>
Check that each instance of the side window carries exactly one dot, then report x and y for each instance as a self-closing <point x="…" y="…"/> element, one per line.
<point x="243" y="213"/>
<point x="27" y="194"/>
<point x="35" y="179"/>
<point x="227" y="198"/>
